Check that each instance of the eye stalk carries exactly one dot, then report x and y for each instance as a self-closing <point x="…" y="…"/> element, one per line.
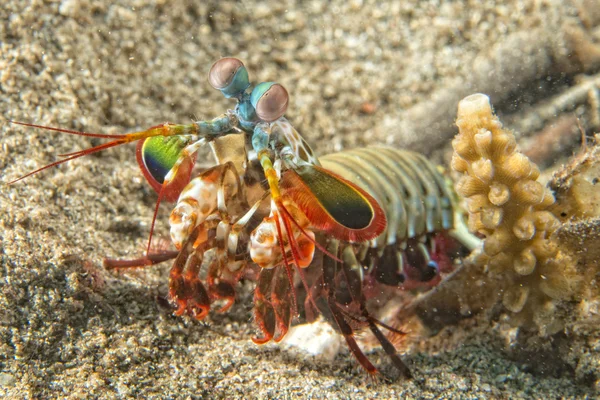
<point x="230" y="76"/>
<point x="270" y="100"/>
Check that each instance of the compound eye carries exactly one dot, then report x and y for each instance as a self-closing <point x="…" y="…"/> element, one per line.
<point x="230" y="76"/>
<point x="270" y="100"/>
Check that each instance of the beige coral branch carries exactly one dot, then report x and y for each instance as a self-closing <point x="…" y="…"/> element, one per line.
<point x="508" y="206"/>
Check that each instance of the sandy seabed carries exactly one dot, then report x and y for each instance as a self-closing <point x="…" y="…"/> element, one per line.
<point x="358" y="72"/>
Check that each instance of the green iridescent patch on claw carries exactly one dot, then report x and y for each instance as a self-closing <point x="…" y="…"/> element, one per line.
<point x="159" y="154"/>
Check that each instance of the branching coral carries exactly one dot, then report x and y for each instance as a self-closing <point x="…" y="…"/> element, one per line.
<point x="508" y="206"/>
<point x="576" y="185"/>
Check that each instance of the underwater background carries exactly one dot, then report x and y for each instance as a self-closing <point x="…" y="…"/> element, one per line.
<point x="358" y="73"/>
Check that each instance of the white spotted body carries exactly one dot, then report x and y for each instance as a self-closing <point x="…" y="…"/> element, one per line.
<point x="264" y="246"/>
<point x="196" y="202"/>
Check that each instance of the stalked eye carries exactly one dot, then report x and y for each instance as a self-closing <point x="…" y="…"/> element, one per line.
<point x="270" y="100"/>
<point x="230" y="76"/>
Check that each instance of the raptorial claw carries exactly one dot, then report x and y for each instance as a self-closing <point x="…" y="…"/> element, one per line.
<point x="222" y="291"/>
<point x="190" y="296"/>
<point x="273" y="308"/>
<point x="264" y="316"/>
<point x="283" y="303"/>
<point x="283" y="318"/>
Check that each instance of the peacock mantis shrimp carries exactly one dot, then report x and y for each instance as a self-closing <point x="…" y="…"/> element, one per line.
<point x="332" y="228"/>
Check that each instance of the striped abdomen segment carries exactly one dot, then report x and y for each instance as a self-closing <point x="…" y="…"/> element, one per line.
<point x="417" y="202"/>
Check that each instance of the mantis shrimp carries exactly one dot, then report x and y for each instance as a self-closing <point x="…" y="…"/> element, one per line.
<point x="329" y="228"/>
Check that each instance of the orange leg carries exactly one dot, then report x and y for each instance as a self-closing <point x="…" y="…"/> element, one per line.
<point x="149" y="260"/>
<point x="264" y="313"/>
<point x="185" y="288"/>
<point x="330" y="271"/>
<point x="283" y="300"/>
<point x="389" y="348"/>
<point x="273" y="305"/>
<point x="352" y="273"/>
<point x="220" y="288"/>
<point x="348" y="333"/>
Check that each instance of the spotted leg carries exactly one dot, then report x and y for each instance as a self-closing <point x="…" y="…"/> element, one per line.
<point x="226" y="271"/>
<point x="221" y="283"/>
<point x="176" y="179"/>
<point x="185" y="288"/>
<point x="167" y="160"/>
<point x="202" y="197"/>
